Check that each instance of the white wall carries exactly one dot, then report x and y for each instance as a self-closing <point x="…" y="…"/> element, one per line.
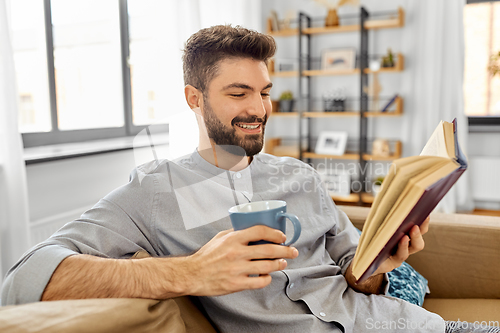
<point x="61" y="191"/>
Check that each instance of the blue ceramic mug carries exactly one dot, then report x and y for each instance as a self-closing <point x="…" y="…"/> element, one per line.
<point x="271" y="213"/>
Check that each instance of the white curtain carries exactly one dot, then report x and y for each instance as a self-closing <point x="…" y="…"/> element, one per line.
<point x="434" y="51"/>
<point x="182" y="19"/>
<point x="14" y="231"/>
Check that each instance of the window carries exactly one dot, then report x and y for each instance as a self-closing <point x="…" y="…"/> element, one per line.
<point x="73" y="73"/>
<point x="482" y="41"/>
<point x="30" y="59"/>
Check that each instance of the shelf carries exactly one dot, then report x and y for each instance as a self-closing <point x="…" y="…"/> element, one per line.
<point x="399" y="67"/>
<point x="284" y="33"/>
<point x="285" y="114"/>
<point x="321" y="114"/>
<point x="353" y="197"/>
<point x="396" y="22"/>
<point x="284" y="74"/>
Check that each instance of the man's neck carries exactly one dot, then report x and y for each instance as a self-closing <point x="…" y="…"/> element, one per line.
<point x="223" y="159"/>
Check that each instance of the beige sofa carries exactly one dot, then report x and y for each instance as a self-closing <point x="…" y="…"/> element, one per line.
<point x="461" y="260"/>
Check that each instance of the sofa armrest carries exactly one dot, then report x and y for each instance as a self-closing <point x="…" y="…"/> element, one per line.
<point x="461" y="258"/>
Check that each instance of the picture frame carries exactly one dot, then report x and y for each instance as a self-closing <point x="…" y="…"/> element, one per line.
<point x="331" y="143"/>
<point x="338" y="59"/>
<point x="337" y="182"/>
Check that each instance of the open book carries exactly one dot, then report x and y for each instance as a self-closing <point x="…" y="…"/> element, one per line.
<point x="410" y="191"/>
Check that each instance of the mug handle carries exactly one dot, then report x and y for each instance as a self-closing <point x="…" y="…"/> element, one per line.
<point x="296" y="226"/>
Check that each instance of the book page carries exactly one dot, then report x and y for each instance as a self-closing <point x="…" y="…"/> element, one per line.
<point x="436" y="145"/>
<point x="449" y="138"/>
<point x="401" y="172"/>
<point x="412" y="193"/>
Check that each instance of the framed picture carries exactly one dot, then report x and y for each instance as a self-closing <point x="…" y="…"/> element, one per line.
<point x="331" y="143"/>
<point x="338" y="182"/>
<point x="338" y="59"/>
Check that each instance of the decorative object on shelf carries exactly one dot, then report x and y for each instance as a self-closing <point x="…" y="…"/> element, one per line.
<point x="275" y="106"/>
<point x="270" y="66"/>
<point x="331" y="143"/>
<point x="332" y="19"/>
<point x="388" y="60"/>
<point x="494" y="65"/>
<point x="290" y="15"/>
<point x="338" y="59"/>
<point x="376" y="185"/>
<point x="388" y="105"/>
<point x="334" y="101"/>
<point x="374" y="65"/>
<point x="337" y="182"/>
<point x="286" y="101"/>
<point x="380" y="147"/>
<point x="273" y="22"/>
<point x="284" y="65"/>
<point x="373" y="90"/>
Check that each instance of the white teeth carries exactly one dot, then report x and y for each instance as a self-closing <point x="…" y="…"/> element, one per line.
<point x="248" y="126"/>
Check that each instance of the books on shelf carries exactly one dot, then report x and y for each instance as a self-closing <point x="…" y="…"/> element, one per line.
<point x="410" y="191"/>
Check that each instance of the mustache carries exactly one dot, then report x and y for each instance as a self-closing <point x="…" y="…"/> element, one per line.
<point x="251" y="119"/>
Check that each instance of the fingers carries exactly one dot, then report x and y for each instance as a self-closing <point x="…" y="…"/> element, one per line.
<point x="424" y="227"/>
<point x="261" y="232"/>
<point x="416" y="240"/>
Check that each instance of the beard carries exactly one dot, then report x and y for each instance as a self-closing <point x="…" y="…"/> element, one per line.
<point x="227" y="138"/>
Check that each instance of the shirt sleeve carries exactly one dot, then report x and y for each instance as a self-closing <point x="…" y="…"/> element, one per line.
<point x="116" y="227"/>
<point x="342" y="241"/>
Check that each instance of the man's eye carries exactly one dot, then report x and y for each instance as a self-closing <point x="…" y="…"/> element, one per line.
<point x="265" y="94"/>
<point x="237" y="95"/>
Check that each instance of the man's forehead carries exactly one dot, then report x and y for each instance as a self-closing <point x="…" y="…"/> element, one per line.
<point x="241" y="73"/>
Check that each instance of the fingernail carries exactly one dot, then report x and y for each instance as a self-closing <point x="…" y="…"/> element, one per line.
<point x="283" y="263"/>
<point x="283" y="238"/>
<point x="295" y="252"/>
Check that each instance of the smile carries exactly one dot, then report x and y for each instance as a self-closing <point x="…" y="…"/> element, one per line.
<point x="248" y="126"/>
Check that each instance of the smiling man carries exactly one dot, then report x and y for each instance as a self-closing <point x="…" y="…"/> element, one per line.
<point x="242" y="288"/>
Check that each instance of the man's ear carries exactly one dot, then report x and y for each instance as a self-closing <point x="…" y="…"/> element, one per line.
<point x="193" y="98"/>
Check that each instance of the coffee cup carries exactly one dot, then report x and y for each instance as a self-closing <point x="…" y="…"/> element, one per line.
<point x="271" y="213"/>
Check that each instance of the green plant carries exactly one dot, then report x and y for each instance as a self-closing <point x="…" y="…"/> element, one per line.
<point x="494" y="66"/>
<point x="286" y="95"/>
<point x="388" y="60"/>
<point x="378" y="180"/>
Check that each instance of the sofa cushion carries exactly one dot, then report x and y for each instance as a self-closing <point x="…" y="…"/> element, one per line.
<point x="466" y="309"/>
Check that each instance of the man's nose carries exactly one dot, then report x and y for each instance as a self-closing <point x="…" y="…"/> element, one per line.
<point x="257" y="108"/>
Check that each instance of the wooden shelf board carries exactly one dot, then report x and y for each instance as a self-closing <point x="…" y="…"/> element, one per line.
<point x="330" y="30"/>
<point x="284" y="33"/>
<point x="340" y="157"/>
<point x="291" y="151"/>
<point x="320" y="72"/>
<point x="285" y="114"/>
<point x="321" y="114"/>
<point x="285" y="74"/>
<point x="396" y="22"/>
<point x="353" y="197"/>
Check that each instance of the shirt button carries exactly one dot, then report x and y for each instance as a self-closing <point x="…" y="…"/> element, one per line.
<point x="291" y="286"/>
<point x="238" y="175"/>
<point x="322" y="314"/>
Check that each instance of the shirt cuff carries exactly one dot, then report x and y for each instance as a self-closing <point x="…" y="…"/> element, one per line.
<point x="386" y="282"/>
<point x="20" y="286"/>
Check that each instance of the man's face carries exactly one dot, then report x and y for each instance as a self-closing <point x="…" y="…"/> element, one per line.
<point x="236" y="105"/>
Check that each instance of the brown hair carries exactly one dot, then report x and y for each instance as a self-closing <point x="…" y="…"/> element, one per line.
<point x="207" y="47"/>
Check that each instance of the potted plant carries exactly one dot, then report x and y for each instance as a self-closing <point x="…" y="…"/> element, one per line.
<point x="286" y="101"/>
<point x="377" y="184"/>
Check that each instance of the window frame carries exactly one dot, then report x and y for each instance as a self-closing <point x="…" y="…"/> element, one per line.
<point x="57" y="136"/>
<point x="483" y="123"/>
